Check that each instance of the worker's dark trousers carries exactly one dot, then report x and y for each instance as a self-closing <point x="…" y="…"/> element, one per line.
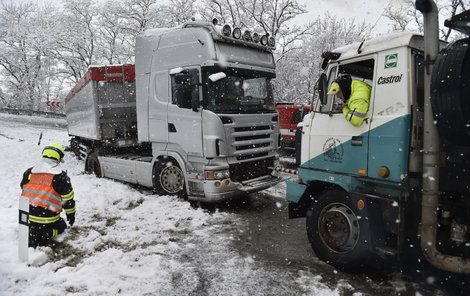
<point x="41" y="234"/>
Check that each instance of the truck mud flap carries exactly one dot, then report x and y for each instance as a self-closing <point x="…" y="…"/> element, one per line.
<point x="260" y="183"/>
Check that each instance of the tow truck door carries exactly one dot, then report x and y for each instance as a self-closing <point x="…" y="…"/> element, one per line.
<point x="335" y="144"/>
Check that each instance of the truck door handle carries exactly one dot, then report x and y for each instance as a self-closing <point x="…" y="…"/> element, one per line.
<point x="356" y="141"/>
<point x="171" y="128"/>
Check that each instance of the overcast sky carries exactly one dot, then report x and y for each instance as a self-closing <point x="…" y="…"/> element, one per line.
<point x="361" y="10"/>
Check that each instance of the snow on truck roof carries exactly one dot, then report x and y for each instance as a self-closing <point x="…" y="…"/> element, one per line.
<point x="109" y="73"/>
<point x="382" y="43"/>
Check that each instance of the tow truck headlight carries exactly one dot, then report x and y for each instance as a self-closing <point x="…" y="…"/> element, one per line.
<point x="226" y="30"/>
<point x="217" y="175"/>
<point x="237" y="33"/>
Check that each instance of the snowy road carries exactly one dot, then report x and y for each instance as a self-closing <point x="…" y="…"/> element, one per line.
<point x="128" y="241"/>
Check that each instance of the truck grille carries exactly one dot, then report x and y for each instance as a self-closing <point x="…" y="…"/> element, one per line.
<point x="252" y="141"/>
<point x="251" y="169"/>
<point x="251" y="146"/>
<point x="252" y="128"/>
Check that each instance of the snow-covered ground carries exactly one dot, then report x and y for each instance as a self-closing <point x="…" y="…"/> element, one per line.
<point x="126" y="240"/>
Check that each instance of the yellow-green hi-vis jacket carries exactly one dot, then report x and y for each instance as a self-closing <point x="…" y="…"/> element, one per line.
<point x="356" y="107"/>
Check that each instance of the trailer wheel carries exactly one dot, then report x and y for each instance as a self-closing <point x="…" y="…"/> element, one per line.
<point x="92" y="165"/>
<point x="334" y="231"/>
<point x="168" y="178"/>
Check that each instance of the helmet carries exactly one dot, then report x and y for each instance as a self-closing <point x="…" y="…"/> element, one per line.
<point x="334" y="88"/>
<point x="343" y="83"/>
<point x="54" y="151"/>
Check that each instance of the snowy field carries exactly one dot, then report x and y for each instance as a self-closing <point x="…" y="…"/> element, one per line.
<point x="126" y="240"/>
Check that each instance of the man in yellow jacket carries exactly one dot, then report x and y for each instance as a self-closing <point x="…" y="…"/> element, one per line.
<point x="356" y="97"/>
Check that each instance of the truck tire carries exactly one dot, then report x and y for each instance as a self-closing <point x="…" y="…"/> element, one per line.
<point x="168" y="178"/>
<point x="335" y="233"/>
<point x="92" y="165"/>
<point x="450" y="86"/>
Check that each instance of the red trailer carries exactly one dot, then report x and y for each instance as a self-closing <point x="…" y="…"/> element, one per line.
<point x="289" y="116"/>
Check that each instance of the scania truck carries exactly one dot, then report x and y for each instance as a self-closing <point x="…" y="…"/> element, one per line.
<point x="401" y="180"/>
<point x="195" y="116"/>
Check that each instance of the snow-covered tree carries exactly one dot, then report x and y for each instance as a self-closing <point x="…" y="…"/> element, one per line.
<point x="25" y="63"/>
<point x="403" y="15"/>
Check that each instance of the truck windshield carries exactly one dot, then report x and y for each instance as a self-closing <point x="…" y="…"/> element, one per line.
<point x="241" y="91"/>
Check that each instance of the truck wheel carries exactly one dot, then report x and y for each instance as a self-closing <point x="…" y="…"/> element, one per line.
<point x="334" y="231"/>
<point x="449" y="92"/>
<point x="168" y="178"/>
<point x="92" y="165"/>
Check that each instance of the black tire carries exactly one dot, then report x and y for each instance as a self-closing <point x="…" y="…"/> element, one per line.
<point x="168" y="178"/>
<point x="450" y="86"/>
<point x="335" y="233"/>
<point x="92" y="165"/>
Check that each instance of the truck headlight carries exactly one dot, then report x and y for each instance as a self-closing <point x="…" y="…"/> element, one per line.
<point x="217" y="175"/>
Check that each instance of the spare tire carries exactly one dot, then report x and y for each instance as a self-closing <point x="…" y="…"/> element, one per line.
<point x="450" y="92"/>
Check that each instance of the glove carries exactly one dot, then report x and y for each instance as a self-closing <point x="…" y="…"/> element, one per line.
<point x="71" y="219"/>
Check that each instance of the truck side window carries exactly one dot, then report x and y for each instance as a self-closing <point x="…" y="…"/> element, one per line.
<point x="184" y="86"/>
<point x="361" y="70"/>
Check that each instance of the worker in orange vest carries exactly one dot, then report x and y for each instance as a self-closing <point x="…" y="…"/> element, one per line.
<point x="49" y="192"/>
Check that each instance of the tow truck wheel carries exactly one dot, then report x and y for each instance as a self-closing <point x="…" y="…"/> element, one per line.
<point x="92" y="165"/>
<point x="335" y="233"/>
<point x="168" y="178"/>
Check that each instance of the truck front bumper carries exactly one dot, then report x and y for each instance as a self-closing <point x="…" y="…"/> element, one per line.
<point x="219" y="190"/>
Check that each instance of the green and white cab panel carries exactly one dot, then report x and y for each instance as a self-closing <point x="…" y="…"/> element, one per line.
<point x="331" y="144"/>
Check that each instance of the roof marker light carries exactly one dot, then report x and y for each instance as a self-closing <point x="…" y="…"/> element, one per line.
<point x="226" y="30"/>
<point x="256" y="37"/>
<point x="237" y="33"/>
<point x="247" y="36"/>
<point x="271" y="42"/>
<point x="264" y="40"/>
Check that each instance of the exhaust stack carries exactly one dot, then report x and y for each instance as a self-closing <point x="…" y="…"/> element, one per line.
<point x="430" y="197"/>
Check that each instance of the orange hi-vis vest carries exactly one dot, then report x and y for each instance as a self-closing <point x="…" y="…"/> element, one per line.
<point x="40" y="192"/>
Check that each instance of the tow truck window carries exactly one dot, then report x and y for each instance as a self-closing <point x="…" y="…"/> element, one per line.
<point x="241" y="91"/>
<point x="184" y="86"/>
<point x="362" y="70"/>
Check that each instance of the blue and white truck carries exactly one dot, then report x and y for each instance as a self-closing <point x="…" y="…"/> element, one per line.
<point x="402" y="176"/>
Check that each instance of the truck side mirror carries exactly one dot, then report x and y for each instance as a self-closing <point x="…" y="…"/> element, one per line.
<point x="195" y="103"/>
<point x="322" y="85"/>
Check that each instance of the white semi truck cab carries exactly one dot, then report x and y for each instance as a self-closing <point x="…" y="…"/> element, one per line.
<point x="400" y="180"/>
<point x="195" y="116"/>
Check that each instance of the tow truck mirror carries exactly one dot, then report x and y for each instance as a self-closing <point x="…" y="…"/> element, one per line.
<point x="322" y="88"/>
<point x="217" y="76"/>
